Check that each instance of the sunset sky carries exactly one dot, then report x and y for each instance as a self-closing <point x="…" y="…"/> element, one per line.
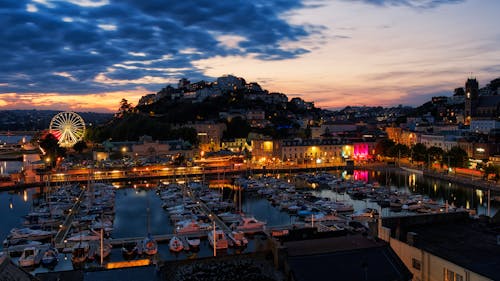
<point x="85" y="55"/>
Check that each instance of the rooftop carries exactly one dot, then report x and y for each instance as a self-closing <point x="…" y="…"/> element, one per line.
<point x="351" y="257"/>
<point x="470" y="243"/>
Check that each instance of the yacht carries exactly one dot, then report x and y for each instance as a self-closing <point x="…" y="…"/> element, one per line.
<point x="30" y="234"/>
<point x="191" y="226"/>
<point x="218" y="238"/>
<point x="249" y="224"/>
<point x="28" y="257"/>
<point x="175" y="244"/>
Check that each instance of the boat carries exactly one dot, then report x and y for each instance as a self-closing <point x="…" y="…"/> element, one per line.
<point x="366" y="214"/>
<point x="191" y="226"/>
<point x="106" y="249"/>
<point x="249" y="224"/>
<point x="30" y="234"/>
<point x="129" y="250"/>
<point x="149" y="246"/>
<point x="28" y="257"/>
<point x="193" y="242"/>
<point x="85" y="235"/>
<point x="50" y="257"/>
<point x="175" y="244"/>
<point x="218" y="238"/>
<point x="238" y="238"/>
<point x="80" y="252"/>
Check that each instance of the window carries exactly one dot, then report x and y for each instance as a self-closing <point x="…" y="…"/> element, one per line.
<point x="415" y="263"/>
<point x="449" y="275"/>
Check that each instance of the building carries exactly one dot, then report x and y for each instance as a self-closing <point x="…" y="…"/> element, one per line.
<point x="344" y="257"/>
<point x="471" y="97"/>
<point x="485" y="106"/>
<point x="209" y="134"/>
<point x="484" y="126"/>
<point x="447" y="246"/>
<point x="235" y="145"/>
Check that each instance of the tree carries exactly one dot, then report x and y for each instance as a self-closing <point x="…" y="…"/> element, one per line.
<point x="491" y="169"/>
<point x="384" y="146"/>
<point x="399" y="150"/>
<point x="457" y="157"/>
<point x="124" y="109"/>
<point x="419" y="152"/>
<point x="49" y="145"/>
<point x="435" y="154"/>
<point x="80" y="146"/>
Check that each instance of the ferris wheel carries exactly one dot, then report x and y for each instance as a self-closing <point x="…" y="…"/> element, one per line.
<point x="68" y="128"/>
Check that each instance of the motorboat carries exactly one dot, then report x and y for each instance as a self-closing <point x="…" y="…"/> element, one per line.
<point x="249" y="224"/>
<point x="50" y="257"/>
<point x="129" y="250"/>
<point x="80" y="252"/>
<point x="149" y="246"/>
<point x="175" y="244"/>
<point x="28" y="257"/>
<point x="191" y="226"/>
<point x="85" y="235"/>
<point x="30" y="234"/>
<point x="238" y="238"/>
<point x="193" y="242"/>
<point x="218" y="239"/>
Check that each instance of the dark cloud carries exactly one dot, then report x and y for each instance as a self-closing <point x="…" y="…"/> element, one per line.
<point x="420" y="4"/>
<point x="62" y="47"/>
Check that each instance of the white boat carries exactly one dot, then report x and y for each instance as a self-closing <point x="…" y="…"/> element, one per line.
<point x="28" y="257"/>
<point x="50" y="256"/>
<point x="249" y="224"/>
<point x="193" y="242"/>
<point x="191" y="226"/>
<point x="175" y="244"/>
<point x="238" y="238"/>
<point x="85" y="235"/>
<point x="218" y="238"/>
<point x="149" y="246"/>
<point x="30" y="234"/>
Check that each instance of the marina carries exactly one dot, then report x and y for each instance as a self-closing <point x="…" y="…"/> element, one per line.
<point x="244" y="212"/>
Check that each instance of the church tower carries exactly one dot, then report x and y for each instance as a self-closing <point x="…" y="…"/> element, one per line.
<point x="471" y="97"/>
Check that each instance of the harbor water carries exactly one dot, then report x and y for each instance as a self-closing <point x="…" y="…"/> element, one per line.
<point x="133" y="200"/>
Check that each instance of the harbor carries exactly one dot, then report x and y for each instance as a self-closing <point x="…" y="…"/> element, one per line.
<point x="130" y="212"/>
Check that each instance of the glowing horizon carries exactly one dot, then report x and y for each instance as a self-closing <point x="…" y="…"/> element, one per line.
<point x="87" y="55"/>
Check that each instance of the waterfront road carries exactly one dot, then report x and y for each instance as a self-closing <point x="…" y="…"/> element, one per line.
<point x="84" y="175"/>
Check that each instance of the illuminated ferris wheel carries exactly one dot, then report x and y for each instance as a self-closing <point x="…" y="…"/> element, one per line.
<point x="68" y="128"/>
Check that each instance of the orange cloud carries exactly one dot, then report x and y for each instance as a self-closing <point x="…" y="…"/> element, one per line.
<point x="99" y="102"/>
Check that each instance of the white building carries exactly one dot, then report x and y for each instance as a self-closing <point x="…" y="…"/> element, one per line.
<point x="483" y="126"/>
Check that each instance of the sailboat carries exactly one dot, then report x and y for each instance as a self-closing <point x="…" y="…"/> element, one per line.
<point x="149" y="244"/>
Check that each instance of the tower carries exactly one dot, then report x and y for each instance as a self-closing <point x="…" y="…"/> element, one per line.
<point x="471" y="97"/>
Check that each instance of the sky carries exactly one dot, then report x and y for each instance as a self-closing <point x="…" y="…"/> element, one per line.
<point x="86" y="55"/>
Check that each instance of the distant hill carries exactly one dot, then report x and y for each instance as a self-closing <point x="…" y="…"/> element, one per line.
<point x="35" y="120"/>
